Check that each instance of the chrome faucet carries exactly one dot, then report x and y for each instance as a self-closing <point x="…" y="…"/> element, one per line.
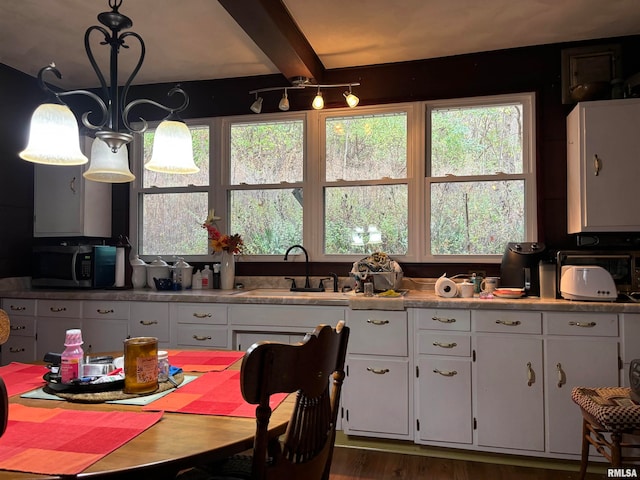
<point x="307" y="283"/>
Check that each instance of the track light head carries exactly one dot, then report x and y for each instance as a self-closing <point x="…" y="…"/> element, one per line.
<point x="256" y="106"/>
<point x="318" y="101"/>
<point x="351" y="99"/>
<point x="284" y="102"/>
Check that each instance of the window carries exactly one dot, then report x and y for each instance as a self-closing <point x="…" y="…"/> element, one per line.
<point x="266" y="190"/>
<point x="444" y="181"/>
<point x="480" y="175"/>
<point x="169" y="209"/>
<point x="366" y="187"/>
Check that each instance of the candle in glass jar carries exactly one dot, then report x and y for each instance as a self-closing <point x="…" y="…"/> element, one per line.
<point x="140" y="365"/>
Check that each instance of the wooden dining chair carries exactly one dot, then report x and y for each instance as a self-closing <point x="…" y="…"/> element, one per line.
<point x="307" y="447"/>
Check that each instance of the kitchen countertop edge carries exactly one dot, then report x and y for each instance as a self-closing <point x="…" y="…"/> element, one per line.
<point x="414" y="299"/>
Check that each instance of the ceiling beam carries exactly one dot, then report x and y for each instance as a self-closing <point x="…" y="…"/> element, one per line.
<point x="271" y="27"/>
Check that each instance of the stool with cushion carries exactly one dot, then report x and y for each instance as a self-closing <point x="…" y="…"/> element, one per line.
<point x="608" y="413"/>
<point x="306" y="368"/>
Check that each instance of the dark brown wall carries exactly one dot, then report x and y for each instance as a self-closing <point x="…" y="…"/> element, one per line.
<point x="536" y="69"/>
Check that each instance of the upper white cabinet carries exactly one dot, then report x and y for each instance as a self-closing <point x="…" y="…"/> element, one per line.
<point x="603" y="166"/>
<point x="65" y="204"/>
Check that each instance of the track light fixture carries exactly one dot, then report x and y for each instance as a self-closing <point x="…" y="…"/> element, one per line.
<point x="299" y="83"/>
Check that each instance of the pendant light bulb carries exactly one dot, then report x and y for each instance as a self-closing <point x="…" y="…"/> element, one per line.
<point x="318" y="102"/>
<point x="351" y="99"/>
<point x="284" y="102"/>
<point x="256" y="106"/>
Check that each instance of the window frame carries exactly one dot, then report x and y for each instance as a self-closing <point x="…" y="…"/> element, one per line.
<point x="528" y="174"/>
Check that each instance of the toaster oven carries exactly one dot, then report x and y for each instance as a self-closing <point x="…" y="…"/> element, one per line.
<point x="624" y="266"/>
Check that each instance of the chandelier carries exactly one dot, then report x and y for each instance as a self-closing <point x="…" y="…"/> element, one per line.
<point x="54" y="137"/>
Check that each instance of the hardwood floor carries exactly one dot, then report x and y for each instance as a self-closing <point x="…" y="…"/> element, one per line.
<point x="361" y="464"/>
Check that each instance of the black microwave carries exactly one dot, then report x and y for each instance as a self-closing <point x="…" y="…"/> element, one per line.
<point x="73" y="266"/>
<point x="624" y="266"/>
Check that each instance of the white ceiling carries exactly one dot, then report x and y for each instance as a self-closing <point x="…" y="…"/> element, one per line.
<point x="198" y="39"/>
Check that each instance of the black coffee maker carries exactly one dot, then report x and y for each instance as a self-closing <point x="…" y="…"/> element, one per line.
<point x="519" y="267"/>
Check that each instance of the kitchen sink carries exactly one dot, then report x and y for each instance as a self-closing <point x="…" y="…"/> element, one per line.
<point x="282" y="292"/>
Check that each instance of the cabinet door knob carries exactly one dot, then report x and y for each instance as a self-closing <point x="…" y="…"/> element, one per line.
<point x="445" y="345"/>
<point x="508" y="323"/>
<point x="531" y="375"/>
<point x="377" y="322"/>
<point x="445" y="373"/>
<point x="443" y="320"/>
<point x="378" y="371"/>
<point x="583" y="324"/>
<point x="562" y="378"/>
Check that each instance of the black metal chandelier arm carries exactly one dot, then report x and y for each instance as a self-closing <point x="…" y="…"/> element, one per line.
<point x="172" y="111"/>
<point x="92" y="60"/>
<point x="58" y="95"/>
<point x="135" y="71"/>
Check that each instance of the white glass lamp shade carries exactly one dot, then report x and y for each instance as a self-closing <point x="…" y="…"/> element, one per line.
<point x="172" y="149"/>
<point x="256" y="107"/>
<point x="318" y="102"/>
<point x="54" y="138"/>
<point x="107" y="166"/>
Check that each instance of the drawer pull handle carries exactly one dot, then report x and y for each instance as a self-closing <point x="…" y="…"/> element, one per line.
<point x="378" y="371"/>
<point x="445" y="345"/>
<point x="582" y="324"/>
<point x="508" y="323"/>
<point x="16" y="350"/>
<point x="597" y="165"/>
<point x="17" y="309"/>
<point x="104" y="312"/>
<point x="562" y="378"/>
<point x="18" y="327"/>
<point x="201" y="338"/>
<point x="201" y="315"/>
<point x="148" y="322"/>
<point x="377" y="322"/>
<point x="443" y="320"/>
<point x="445" y="373"/>
<point x="531" y="375"/>
<point x="58" y="309"/>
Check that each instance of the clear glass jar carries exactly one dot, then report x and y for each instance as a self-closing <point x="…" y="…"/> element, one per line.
<point x="163" y="366"/>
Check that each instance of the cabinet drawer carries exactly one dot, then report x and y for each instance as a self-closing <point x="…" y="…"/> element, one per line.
<point x="204" y="336"/>
<point x="285" y="316"/>
<point x="60" y="308"/>
<point x="22" y="327"/>
<point x="443" y="319"/>
<point x="507" y="321"/>
<point x="200" y="313"/>
<point x="580" y="323"/>
<point x="19" y="349"/>
<point x="19" y="306"/>
<point x="377" y="332"/>
<point x="105" y="309"/>
<point x="149" y="320"/>
<point x="437" y="343"/>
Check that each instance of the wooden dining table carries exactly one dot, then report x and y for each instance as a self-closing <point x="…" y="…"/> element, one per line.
<point x="176" y="442"/>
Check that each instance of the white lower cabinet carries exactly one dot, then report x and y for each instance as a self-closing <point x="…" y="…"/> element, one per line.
<point x="105" y="326"/>
<point x="509" y="392"/>
<point x="199" y="325"/>
<point x="21" y="344"/>
<point x="54" y="318"/>
<point x="376" y="395"/>
<point x="150" y="319"/>
<point x="443" y="376"/>
<point x="580" y="350"/>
